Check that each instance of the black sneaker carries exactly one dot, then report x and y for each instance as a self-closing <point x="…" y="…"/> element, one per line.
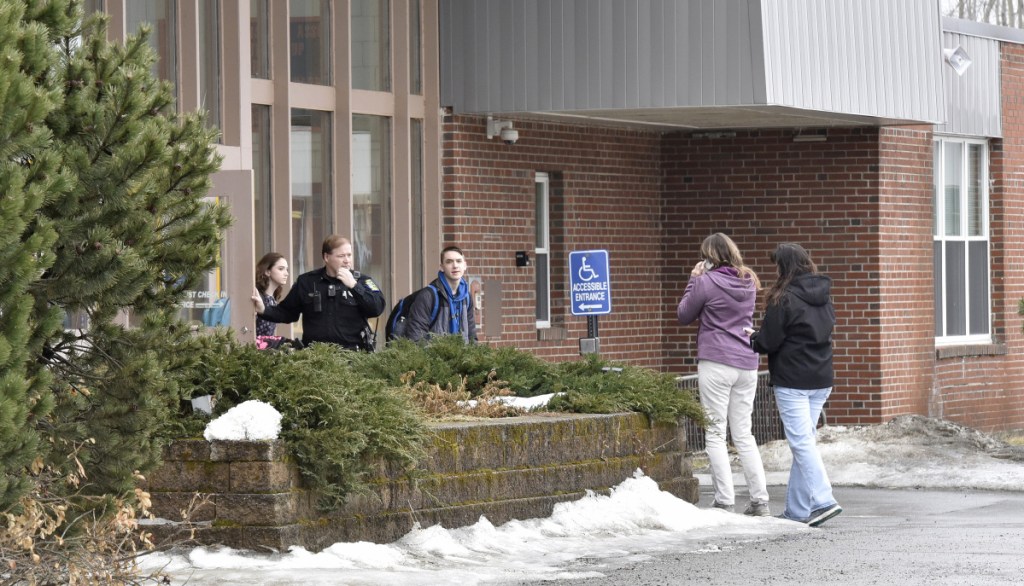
<point x="823" y="514"/>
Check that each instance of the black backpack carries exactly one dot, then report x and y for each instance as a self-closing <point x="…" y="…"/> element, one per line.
<point x="395" y="326"/>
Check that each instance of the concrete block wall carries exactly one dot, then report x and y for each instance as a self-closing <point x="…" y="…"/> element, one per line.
<point x="503" y="469"/>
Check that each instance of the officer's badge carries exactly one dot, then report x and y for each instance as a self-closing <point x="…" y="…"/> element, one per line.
<point x="371" y="285"/>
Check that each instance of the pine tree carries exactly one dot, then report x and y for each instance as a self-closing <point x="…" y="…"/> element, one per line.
<point x="103" y="214"/>
<point x="28" y="177"/>
<point x="134" y="233"/>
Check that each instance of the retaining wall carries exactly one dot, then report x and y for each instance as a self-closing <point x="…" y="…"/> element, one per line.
<point x="503" y="469"/>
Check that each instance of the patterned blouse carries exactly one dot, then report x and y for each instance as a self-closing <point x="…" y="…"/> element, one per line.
<point x="264" y="327"/>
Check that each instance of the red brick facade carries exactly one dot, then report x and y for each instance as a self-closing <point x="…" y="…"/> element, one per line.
<point x="861" y="202"/>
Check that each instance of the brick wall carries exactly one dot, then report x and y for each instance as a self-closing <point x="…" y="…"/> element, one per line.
<point x="762" y="188"/>
<point x="861" y="202"/>
<point x="605" y="194"/>
<point x="982" y="386"/>
<point x="903" y="276"/>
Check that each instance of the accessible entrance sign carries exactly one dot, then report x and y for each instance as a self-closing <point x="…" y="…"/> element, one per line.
<point x="590" y="283"/>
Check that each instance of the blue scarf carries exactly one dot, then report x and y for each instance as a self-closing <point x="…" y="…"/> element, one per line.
<point x="455" y="301"/>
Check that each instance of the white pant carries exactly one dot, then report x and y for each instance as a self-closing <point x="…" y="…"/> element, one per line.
<point x="727" y="394"/>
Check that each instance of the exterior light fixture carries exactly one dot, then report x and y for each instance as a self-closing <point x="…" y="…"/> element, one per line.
<point x="810" y="136"/>
<point x="957" y="59"/>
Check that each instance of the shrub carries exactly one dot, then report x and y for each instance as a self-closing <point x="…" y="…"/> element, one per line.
<point x="335" y="422"/>
<point x="343" y="410"/>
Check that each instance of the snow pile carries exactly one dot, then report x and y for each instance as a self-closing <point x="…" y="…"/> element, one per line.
<point x="633" y="522"/>
<point x="251" y="420"/>
<point x="910" y="451"/>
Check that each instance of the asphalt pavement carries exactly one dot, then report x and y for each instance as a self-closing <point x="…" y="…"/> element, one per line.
<point x="902" y="537"/>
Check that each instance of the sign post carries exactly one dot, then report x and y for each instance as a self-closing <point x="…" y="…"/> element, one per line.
<point x="590" y="292"/>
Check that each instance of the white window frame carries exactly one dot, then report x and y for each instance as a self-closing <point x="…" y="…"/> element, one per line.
<point x="542" y="248"/>
<point x="939" y="236"/>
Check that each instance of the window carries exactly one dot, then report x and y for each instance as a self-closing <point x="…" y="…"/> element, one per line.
<point x="311" y="187"/>
<point x="542" y="259"/>
<point x="371" y="197"/>
<point x="160" y="15"/>
<point x="416" y="195"/>
<point x="371" y="45"/>
<point x="415" y="48"/>
<point x="259" y="35"/>
<point x="263" y="204"/>
<point x="209" y="63"/>
<point x="310" y="28"/>
<point x="961" y="247"/>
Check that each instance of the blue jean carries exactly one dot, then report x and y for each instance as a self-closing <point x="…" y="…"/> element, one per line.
<point x="809" y="488"/>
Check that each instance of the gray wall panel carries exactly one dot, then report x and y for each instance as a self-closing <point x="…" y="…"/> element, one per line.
<point x="648" y="59"/>
<point x="874" y="58"/>
<point x="973" y="99"/>
<point x="884" y="46"/>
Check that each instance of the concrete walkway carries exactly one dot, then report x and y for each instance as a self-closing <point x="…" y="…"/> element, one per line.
<point x="901" y="537"/>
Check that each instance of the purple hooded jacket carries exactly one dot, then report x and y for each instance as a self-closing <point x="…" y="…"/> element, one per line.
<point x="724" y="303"/>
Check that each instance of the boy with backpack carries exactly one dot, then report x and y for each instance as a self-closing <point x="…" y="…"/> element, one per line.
<point x="443" y="307"/>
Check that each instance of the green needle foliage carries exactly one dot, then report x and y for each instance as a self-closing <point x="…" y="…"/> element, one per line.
<point x="103" y="203"/>
<point x="29" y="176"/>
<point x="134" y="233"/>
<point x="336" y="422"/>
<point x="343" y="411"/>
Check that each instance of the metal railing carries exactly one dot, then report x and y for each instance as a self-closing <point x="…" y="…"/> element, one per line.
<point x="765" y="422"/>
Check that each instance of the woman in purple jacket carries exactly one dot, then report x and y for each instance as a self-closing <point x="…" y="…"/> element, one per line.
<point x="721" y="294"/>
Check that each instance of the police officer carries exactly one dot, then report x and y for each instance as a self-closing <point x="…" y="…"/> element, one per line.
<point x="335" y="301"/>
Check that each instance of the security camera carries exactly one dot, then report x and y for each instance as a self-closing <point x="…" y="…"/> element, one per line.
<point x="502" y="128"/>
<point x="509" y="135"/>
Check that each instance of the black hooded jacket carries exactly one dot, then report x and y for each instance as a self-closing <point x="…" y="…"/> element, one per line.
<point x="796" y="334"/>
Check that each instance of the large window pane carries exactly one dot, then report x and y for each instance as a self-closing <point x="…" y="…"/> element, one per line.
<point x="259" y="38"/>
<point x="953" y="177"/>
<point x="311" y="187"/>
<point x="310" y="48"/>
<point x="937" y="288"/>
<point x="936" y="187"/>
<point x="415" y="48"/>
<point x="371" y="197"/>
<point x="975" y="197"/>
<point x="978" y="286"/>
<point x="209" y="62"/>
<point x="160" y="14"/>
<point x="542" y="259"/>
<point x="956" y="290"/>
<point x="91" y="6"/>
<point x="263" y="202"/>
<point x="416" y="196"/>
<point x="371" y="40"/>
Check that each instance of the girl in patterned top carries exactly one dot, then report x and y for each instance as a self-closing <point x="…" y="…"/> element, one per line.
<point x="271" y="278"/>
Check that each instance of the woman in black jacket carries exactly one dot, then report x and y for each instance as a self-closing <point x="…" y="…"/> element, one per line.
<point x="796" y="334"/>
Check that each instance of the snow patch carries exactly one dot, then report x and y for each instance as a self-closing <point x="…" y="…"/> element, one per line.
<point x="251" y="420"/>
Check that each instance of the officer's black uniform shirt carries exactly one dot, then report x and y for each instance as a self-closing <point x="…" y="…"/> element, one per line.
<point x="331" y="312"/>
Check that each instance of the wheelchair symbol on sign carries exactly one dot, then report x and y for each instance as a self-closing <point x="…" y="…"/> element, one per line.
<point x="586" y="272"/>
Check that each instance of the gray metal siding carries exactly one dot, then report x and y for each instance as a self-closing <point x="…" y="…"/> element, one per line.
<point x="563" y="55"/>
<point x="872" y="58"/>
<point x="869" y="57"/>
<point x="972" y="99"/>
